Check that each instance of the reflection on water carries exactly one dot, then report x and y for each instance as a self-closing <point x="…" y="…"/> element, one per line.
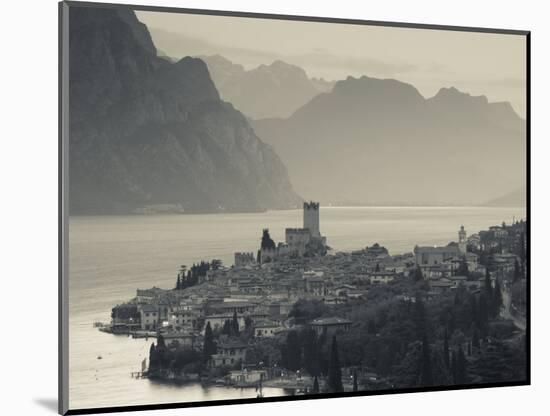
<point x="109" y="257"/>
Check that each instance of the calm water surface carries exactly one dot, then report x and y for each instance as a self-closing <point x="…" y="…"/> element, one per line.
<point x="109" y="257"/>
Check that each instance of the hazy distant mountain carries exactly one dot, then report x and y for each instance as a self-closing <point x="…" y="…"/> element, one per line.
<point x="147" y="132"/>
<point x="378" y="141"/>
<point x="517" y="198"/>
<point x="275" y="90"/>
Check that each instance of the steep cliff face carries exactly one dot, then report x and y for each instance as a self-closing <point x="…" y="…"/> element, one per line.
<point x="146" y="132"/>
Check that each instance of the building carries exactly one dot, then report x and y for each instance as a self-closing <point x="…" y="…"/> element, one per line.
<point x="229" y="353"/>
<point x="230" y="308"/>
<point x="149" y="315"/>
<point x="381" y="277"/>
<point x="148" y="295"/>
<point x="431" y="256"/>
<point x="376" y="250"/>
<point x="266" y="329"/>
<point x="247" y="377"/>
<point x="184" y="318"/>
<point x="297" y="239"/>
<point x="330" y="326"/>
<point x="182" y="339"/>
<point x="314" y="283"/>
<point x="442" y="285"/>
<point x="244" y="259"/>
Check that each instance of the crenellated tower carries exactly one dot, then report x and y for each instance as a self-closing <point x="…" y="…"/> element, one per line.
<point x="311" y="218"/>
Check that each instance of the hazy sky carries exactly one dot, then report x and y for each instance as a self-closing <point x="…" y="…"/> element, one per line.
<point x="478" y="63"/>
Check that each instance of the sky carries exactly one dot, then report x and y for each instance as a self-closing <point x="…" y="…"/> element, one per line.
<point x="477" y="63"/>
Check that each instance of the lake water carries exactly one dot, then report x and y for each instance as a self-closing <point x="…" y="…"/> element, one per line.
<point x="111" y="256"/>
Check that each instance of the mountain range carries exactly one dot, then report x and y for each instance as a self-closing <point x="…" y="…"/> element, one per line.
<point x="516" y="198"/>
<point x="146" y="132"/>
<point x="379" y="141"/>
<point x="274" y="90"/>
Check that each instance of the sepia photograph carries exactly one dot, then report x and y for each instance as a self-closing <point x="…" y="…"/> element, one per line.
<point x="264" y="207"/>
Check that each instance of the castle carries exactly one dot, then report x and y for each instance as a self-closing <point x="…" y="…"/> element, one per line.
<point x="297" y="240"/>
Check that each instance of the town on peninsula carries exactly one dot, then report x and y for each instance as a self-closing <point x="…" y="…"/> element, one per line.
<point x="300" y="316"/>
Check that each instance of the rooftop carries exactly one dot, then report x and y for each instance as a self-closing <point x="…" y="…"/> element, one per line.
<point x="330" y="321"/>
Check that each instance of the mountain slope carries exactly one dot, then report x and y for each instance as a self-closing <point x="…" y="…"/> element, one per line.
<point x="146" y="132"/>
<point x="517" y="198"/>
<point x="378" y="141"/>
<point x="274" y="90"/>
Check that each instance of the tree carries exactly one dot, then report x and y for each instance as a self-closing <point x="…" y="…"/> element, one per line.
<point x="293" y="351"/>
<point x="355" y="381"/>
<point x="377" y="268"/>
<point x="315" y="388"/>
<point x="497" y="298"/>
<point x="310" y="351"/>
<point x="453" y="366"/>
<point x="446" y="349"/>
<point x="153" y="358"/>
<point x="418" y="275"/>
<point x="334" y="371"/>
<point x="235" y="325"/>
<point x="426" y="374"/>
<point x="209" y="346"/>
<point x="488" y="285"/>
<point x="419" y="317"/>
<point x="227" y="328"/>
<point x="371" y="326"/>
<point x="248" y="324"/>
<point x="517" y="271"/>
<point x="160" y="342"/>
<point x="267" y="242"/>
<point x="462" y="269"/>
<point x="461" y="372"/>
<point x="522" y="251"/>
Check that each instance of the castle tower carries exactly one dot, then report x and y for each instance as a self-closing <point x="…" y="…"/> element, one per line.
<point x="311" y="218"/>
<point x="462" y="240"/>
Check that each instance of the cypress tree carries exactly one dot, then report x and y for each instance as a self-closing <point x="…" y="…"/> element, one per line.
<point x="153" y="360"/>
<point x="334" y="370"/>
<point x="497" y="298"/>
<point x="461" y="377"/>
<point x="418" y="275"/>
<point x="419" y="317"/>
<point x="355" y="381"/>
<point x="517" y="271"/>
<point x="315" y="385"/>
<point x="227" y="327"/>
<point x="488" y="286"/>
<point x="160" y="342"/>
<point x="235" y="325"/>
<point x="453" y="367"/>
<point x="446" y="349"/>
<point x="475" y="338"/>
<point x="293" y="351"/>
<point x="209" y="346"/>
<point x="426" y="374"/>
<point x="483" y="313"/>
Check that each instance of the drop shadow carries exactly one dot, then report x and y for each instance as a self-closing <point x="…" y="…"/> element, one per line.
<point x="49" y="403"/>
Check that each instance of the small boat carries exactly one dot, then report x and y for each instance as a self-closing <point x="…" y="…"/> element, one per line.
<point x="99" y="357"/>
